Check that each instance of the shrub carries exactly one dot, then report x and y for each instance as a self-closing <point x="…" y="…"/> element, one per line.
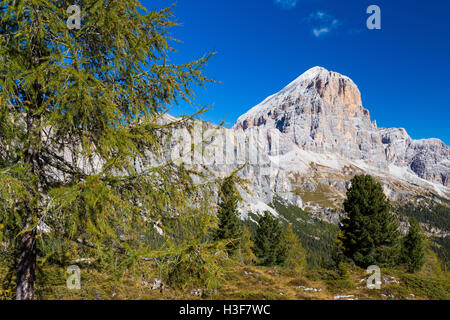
<point x="338" y="286"/>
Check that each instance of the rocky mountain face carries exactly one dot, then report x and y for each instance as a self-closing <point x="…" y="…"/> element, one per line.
<point x="322" y="111"/>
<point x="303" y="145"/>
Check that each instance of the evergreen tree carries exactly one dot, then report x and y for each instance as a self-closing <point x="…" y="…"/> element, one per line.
<point x="337" y="251"/>
<point x="269" y="246"/>
<point x="296" y="254"/>
<point x="78" y="110"/>
<point x="342" y="270"/>
<point x="413" y="250"/>
<point x="229" y="222"/>
<point x="370" y="231"/>
<point x="246" y="247"/>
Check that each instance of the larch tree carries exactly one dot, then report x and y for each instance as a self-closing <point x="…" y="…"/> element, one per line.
<point x="296" y="254"/>
<point x="246" y="247"/>
<point x="81" y="110"/>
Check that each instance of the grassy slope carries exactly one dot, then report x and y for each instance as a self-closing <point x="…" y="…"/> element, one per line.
<point x="250" y="283"/>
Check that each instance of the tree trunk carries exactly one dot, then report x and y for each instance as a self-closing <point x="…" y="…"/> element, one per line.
<point x="26" y="266"/>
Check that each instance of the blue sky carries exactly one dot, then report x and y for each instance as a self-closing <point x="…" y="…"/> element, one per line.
<point x="402" y="70"/>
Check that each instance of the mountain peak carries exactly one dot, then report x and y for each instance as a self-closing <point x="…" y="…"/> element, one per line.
<point x="318" y="90"/>
<point x="321" y="111"/>
<point x="308" y="76"/>
<point x="317" y="73"/>
<point x="312" y="73"/>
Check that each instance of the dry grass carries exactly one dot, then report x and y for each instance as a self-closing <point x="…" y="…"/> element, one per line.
<point x="249" y="283"/>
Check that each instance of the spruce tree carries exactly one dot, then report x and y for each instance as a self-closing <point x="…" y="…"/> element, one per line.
<point x="369" y="231"/>
<point x="229" y="223"/>
<point x="269" y="248"/>
<point x="413" y="249"/>
<point x="79" y="111"/>
<point x="296" y="254"/>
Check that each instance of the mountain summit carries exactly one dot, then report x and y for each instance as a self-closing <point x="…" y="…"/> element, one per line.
<point x="322" y="111"/>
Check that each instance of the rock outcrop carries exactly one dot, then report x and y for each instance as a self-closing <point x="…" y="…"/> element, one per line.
<point x="322" y="111"/>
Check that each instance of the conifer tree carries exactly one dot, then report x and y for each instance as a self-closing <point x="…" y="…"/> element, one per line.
<point x="270" y="248"/>
<point x="296" y="254"/>
<point x="413" y="250"/>
<point x="337" y="251"/>
<point x="79" y="111"/>
<point x="229" y="223"/>
<point x="246" y="247"/>
<point x="370" y="231"/>
<point x="342" y="270"/>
